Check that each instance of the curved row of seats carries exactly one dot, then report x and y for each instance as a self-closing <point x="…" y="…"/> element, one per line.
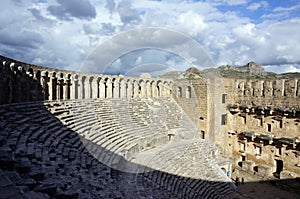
<point x="87" y="148"/>
<point x="121" y="126"/>
<point x="42" y="158"/>
<point x="186" y="170"/>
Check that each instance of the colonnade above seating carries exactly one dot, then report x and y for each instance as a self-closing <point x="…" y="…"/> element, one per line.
<point x="54" y="84"/>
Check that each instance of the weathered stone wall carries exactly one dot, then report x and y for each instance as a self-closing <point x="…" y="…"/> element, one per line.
<point x="22" y="82"/>
<point x="275" y="92"/>
<point x="263" y="126"/>
<point x="256" y="122"/>
<point x="192" y="96"/>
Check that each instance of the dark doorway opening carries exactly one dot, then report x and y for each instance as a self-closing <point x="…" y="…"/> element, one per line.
<point x="279" y="168"/>
<point x="243" y="158"/>
<point x="269" y="127"/>
<point x="203" y="134"/>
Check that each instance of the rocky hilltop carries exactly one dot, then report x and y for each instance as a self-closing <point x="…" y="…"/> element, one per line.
<point x="251" y="68"/>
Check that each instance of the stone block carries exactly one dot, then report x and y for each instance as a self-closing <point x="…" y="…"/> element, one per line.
<point x="37" y="174"/>
<point x="247" y="166"/>
<point x="264" y="171"/>
<point x="49" y="188"/>
<point x="287" y="175"/>
<point x="29" y="182"/>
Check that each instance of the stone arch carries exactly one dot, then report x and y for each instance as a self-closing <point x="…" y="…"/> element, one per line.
<point x="142" y="88"/>
<point x="53" y="86"/>
<point x="129" y="92"/>
<point x="30" y="73"/>
<point x="148" y="88"/>
<point x="102" y="87"/>
<point x="136" y="88"/>
<point x="122" y="88"/>
<point x="35" y="90"/>
<point x="67" y="94"/>
<point x="82" y="90"/>
<point x="240" y="88"/>
<point x="179" y="92"/>
<point x="44" y="82"/>
<point x="108" y="87"/>
<point x="12" y="66"/>
<point x="188" y="92"/>
<point x="248" y="91"/>
<point x="75" y="87"/>
<point x="38" y="76"/>
<point x="115" y="88"/>
<point x="166" y="88"/>
<point x="89" y="87"/>
<point x="158" y="90"/>
<point x="95" y="87"/>
<point x="22" y="85"/>
<point x="153" y="88"/>
<point x="60" y="86"/>
<point x="267" y="90"/>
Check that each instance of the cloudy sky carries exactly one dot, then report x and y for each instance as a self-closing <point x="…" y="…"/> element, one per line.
<point x="121" y="36"/>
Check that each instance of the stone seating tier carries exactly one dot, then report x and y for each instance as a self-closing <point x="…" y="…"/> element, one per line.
<point x="68" y="149"/>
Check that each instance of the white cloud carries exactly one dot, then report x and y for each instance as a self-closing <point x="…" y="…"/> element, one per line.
<point x="291" y="8"/>
<point x="283" y="68"/>
<point x="66" y="10"/>
<point x="192" y="23"/>
<point x="60" y="34"/>
<point x="257" y="5"/>
<point x="229" y="2"/>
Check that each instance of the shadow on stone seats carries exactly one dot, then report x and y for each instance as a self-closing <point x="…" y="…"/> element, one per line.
<point x="40" y="157"/>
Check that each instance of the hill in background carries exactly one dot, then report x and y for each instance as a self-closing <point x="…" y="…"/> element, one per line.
<point x="250" y="70"/>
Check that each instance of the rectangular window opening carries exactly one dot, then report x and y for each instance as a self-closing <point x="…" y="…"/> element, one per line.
<point x="223" y="119"/>
<point x="269" y="127"/>
<point x="224" y="98"/>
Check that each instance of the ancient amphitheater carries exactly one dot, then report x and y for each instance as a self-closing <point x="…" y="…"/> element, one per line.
<point x="65" y="134"/>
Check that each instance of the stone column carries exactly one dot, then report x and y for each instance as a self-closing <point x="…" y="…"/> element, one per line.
<point x="116" y="89"/>
<point x="80" y="87"/>
<point x="95" y="88"/>
<point x="60" y="88"/>
<point x="45" y="85"/>
<point x="154" y="89"/>
<point x="67" y="93"/>
<point x="148" y="91"/>
<point x="74" y="88"/>
<point x="122" y="88"/>
<point x="53" y="86"/>
<point x="294" y="87"/>
<point x="87" y="88"/>
<point x="102" y="88"/>
<point x="135" y="89"/>
<point x="129" y="89"/>
<point x="143" y="89"/>
<point x="108" y="88"/>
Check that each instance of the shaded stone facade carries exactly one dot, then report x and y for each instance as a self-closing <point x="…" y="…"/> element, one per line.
<point x="263" y="128"/>
<point x="21" y="82"/>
